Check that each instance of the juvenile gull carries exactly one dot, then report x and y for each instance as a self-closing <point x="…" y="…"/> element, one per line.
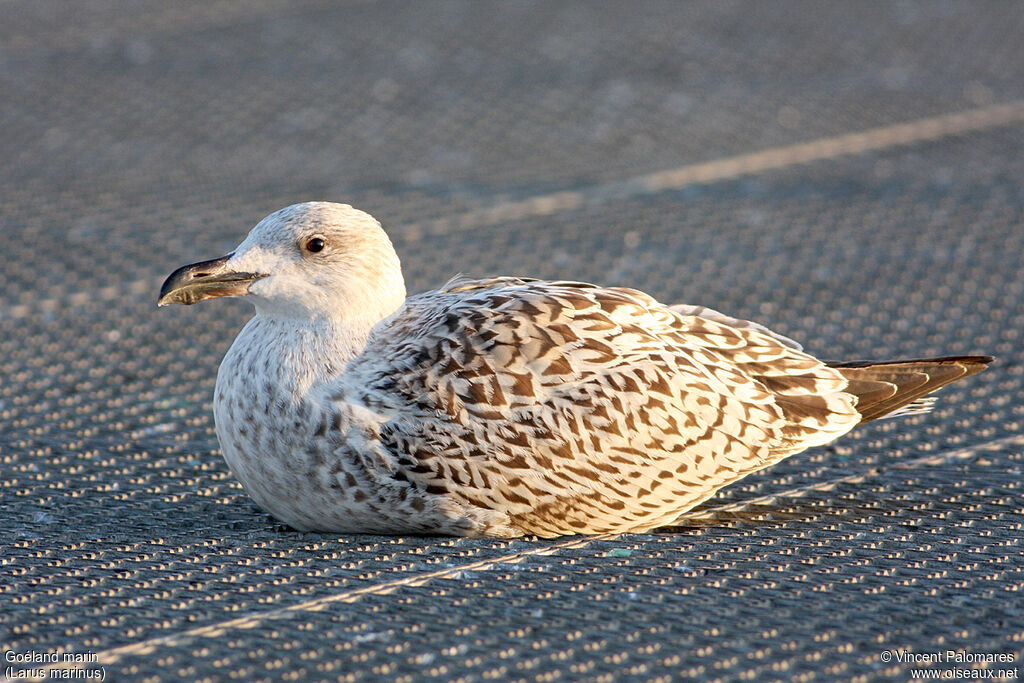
<point x="504" y="406"/>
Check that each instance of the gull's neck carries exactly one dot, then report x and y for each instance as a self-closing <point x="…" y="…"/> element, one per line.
<point x="295" y="354"/>
<point x="297" y="341"/>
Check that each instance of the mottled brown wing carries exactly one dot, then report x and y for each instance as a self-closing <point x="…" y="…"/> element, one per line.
<point x="573" y="408"/>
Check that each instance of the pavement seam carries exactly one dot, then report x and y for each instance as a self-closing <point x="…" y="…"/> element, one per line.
<point x="255" y="619"/>
<point x="728" y="168"/>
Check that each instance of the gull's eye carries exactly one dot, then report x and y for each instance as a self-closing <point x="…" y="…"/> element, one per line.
<point x="315" y="244"/>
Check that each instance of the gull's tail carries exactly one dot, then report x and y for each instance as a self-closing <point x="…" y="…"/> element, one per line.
<point x="894" y="388"/>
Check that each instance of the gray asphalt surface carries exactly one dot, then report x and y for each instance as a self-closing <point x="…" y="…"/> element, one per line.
<point x="849" y="173"/>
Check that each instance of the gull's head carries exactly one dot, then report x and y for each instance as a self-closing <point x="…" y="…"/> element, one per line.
<point x="311" y="260"/>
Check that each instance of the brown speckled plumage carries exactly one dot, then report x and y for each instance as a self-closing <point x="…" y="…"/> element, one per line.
<point x="508" y="406"/>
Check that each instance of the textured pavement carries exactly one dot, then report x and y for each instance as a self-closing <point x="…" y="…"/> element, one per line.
<point x="850" y="174"/>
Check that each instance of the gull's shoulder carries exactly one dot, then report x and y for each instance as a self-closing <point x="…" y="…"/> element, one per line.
<point x="466" y="305"/>
<point x="568" y="329"/>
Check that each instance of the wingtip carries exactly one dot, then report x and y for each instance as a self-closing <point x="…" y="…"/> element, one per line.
<point x="974" y="364"/>
<point x="887" y="388"/>
<point x="970" y="360"/>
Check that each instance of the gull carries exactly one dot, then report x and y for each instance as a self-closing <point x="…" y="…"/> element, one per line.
<point x="503" y="406"/>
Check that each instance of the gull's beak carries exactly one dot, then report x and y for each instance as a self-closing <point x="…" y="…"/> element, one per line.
<point x="205" y="280"/>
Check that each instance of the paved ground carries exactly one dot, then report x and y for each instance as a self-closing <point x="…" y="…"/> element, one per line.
<point x="707" y="153"/>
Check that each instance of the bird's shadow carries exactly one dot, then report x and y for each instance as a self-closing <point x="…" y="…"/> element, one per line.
<point x="759" y="514"/>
